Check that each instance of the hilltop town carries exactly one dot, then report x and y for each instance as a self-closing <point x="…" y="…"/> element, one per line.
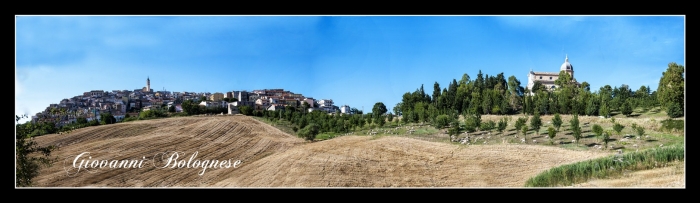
<point x="125" y="103"/>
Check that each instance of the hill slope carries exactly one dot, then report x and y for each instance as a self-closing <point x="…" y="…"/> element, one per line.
<point x="359" y="161"/>
<point x="215" y="137"/>
<point x="271" y="158"/>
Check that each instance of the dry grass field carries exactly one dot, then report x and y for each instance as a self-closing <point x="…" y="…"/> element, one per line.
<point x="216" y="137"/>
<point x="672" y="176"/>
<point x="272" y="158"/>
<point x="359" y="161"/>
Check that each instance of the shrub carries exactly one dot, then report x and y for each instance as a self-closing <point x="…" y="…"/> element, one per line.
<point x="309" y="132"/>
<point x="640" y="131"/>
<point x="442" y="121"/>
<point x="575" y="128"/>
<point x="674" y="110"/>
<point x="472" y="121"/>
<point x="552" y="132"/>
<point x="487" y="125"/>
<point x="671" y="125"/>
<point x="502" y="124"/>
<point x="557" y="121"/>
<point x="618" y="128"/>
<point x="520" y="123"/>
<point x="598" y="130"/>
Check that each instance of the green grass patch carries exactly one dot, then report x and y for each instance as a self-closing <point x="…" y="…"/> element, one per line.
<point x="283" y="125"/>
<point x="607" y="166"/>
<point x="426" y="131"/>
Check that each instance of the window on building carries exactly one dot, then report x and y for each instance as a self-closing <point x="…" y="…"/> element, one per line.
<point x="540" y="77"/>
<point x="550" y="78"/>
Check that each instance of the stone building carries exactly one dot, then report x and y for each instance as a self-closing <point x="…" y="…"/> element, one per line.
<point x="547" y="78"/>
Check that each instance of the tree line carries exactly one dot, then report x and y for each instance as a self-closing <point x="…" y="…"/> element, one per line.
<point x="494" y="95"/>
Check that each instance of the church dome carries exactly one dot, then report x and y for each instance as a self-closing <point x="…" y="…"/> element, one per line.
<point x="566" y="66"/>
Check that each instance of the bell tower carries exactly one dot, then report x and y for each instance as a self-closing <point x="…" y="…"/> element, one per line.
<point x="148" y="84"/>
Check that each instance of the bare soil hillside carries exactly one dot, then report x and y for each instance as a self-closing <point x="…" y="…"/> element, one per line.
<point x="360" y="161"/>
<point x="271" y="158"/>
<point x="212" y="137"/>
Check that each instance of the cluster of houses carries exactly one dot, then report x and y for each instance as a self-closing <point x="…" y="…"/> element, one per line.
<point x="119" y="103"/>
<point x="276" y="99"/>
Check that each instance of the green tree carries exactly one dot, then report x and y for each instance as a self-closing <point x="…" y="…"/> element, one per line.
<point x="171" y="109"/>
<point x="575" y="128"/>
<point x="640" y="131"/>
<point x="538" y="87"/>
<point x="674" y="110"/>
<point x="436" y="92"/>
<point x="309" y="132"/>
<point x="472" y="121"/>
<point x="107" y="118"/>
<point x="606" y="138"/>
<point x="520" y="123"/>
<point x="557" y="122"/>
<point x="604" y="110"/>
<point x="27" y="163"/>
<point x="515" y="92"/>
<point x="190" y="107"/>
<point x="502" y="124"/>
<point x="379" y="120"/>
<point x="551" y="132"/>
<point x="248" y="111"/>
<point x="618" y="128"/>
<point x="379" y="109"/>
<point x="671" y="87"/>
<point x="83" y="120"/>
<point x="442" y="121"/>
<point x="488" y="126"/>
<point x="536" y="123"/>
<point x="454" y="128"/>
<point x="524" y="131"/>
<point x="598" y="130"/>
<point x="626" y="108"/>
<point x="591" y="107"/>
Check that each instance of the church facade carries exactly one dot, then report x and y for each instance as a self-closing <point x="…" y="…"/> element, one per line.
<point x="547" y="78"/>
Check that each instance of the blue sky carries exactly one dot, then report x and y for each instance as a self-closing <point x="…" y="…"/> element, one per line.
<point x="354" y="60"/>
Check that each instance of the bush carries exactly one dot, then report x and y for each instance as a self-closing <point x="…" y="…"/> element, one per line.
<point x="626" y="108"/>
<point x="309" y="132"/>
<point x="472" y="121"/>
<point x="675" y="110"/>
<point x="502" y="124"/>
<point x="442" y="121"/>
<point x="520" y="123"/>
<point x="487" y="125"/>
<point x="598" y="130"/>
<point x="551" y="132"/>
<point x="618" y="128"/>
<point x="130" y="119"/>
<point x="671" y="125"/>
